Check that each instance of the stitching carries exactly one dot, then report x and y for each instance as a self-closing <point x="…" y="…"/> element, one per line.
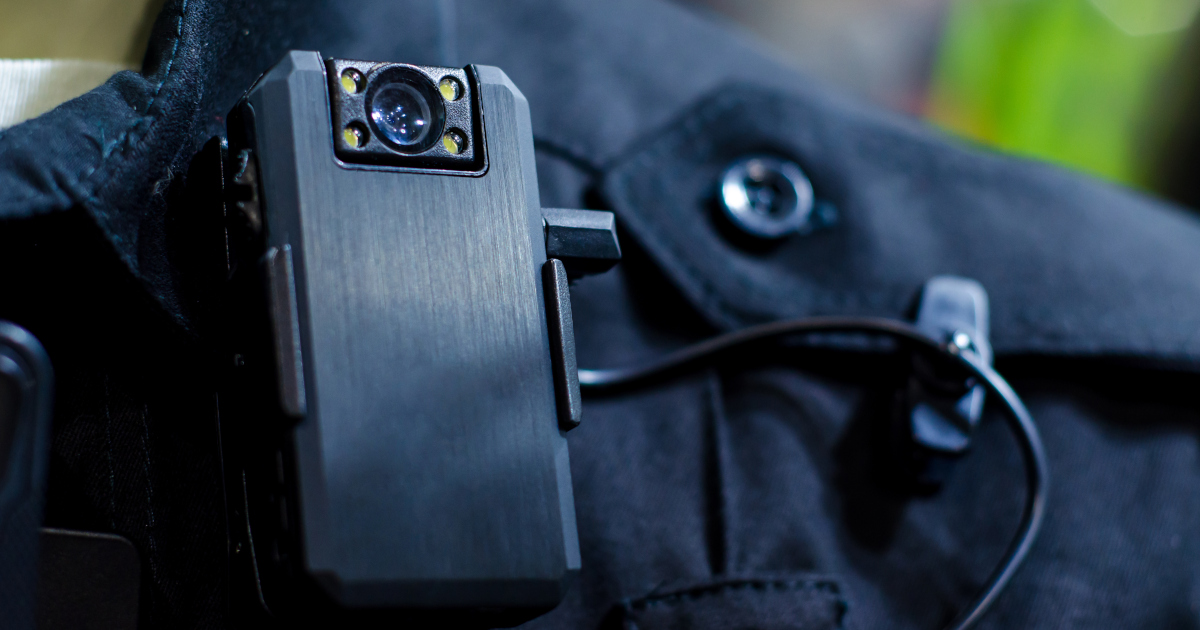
<point x="146" y="115"/>
<point x="121" y="144"/>
<point x="827" y="587"/>
<point x="711" y="590"/>
<point x="149" y="495"/>
<point x="76" y="195"/>
<point x="112" y="483"/>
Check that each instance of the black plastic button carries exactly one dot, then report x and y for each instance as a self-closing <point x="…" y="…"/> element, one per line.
<point x="767" y="197"/>
<point x="584" y="240"/>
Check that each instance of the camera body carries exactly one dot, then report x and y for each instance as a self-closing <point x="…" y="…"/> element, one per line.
<point x="394" y="429"/>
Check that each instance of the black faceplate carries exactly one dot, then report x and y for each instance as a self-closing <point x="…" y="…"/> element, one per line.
<point x="462" y="115"/>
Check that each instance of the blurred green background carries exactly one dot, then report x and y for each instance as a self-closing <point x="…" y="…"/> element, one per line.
<point x="1103" y="86"/>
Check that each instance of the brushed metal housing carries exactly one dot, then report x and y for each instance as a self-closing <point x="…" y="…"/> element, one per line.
<point x="429" y="466"/>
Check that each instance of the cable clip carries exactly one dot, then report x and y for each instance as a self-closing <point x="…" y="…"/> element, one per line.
<point x="939" y="407"/>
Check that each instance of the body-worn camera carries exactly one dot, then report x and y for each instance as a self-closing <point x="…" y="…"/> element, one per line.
<point x="403" y="377"/>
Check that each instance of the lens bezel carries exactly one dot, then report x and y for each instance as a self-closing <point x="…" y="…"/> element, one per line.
<point x="424" y="88"/>
<point x="351" y="108"/>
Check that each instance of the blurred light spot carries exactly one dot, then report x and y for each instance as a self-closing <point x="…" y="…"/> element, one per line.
<point x="1148" y="17"/>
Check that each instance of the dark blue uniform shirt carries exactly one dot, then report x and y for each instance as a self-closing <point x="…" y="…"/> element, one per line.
<point x="742" y="496"/>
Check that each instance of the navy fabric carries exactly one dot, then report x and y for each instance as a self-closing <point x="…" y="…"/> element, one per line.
<point x="912" y="207"/>
<point x="750" y="495"/>
<point x="771" y="603"/>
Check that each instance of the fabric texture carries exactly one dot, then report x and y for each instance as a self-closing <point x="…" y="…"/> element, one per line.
<point x="1051" y="292"/>
<point x="764" y="603"/>
<point x="750" y="492"/>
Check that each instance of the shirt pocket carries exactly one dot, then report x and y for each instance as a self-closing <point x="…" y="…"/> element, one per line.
<point x="758" y="602"/>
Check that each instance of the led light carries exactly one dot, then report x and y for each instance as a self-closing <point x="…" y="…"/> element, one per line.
<point x="355" y="135"/>
<point x="352" y="81"/>
<point x="450" y="88"/>
<point x="454" y="142"/>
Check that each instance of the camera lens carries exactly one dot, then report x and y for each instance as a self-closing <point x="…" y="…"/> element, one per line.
<point x="405" y="112"/>
<point x="401" y="113"/>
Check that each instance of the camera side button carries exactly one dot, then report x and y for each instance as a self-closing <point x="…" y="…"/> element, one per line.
<point x="562" y="344"/>
<point x="285" y="324"/>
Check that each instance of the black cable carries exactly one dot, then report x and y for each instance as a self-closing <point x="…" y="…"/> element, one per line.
<point x="1021" y="423"/>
